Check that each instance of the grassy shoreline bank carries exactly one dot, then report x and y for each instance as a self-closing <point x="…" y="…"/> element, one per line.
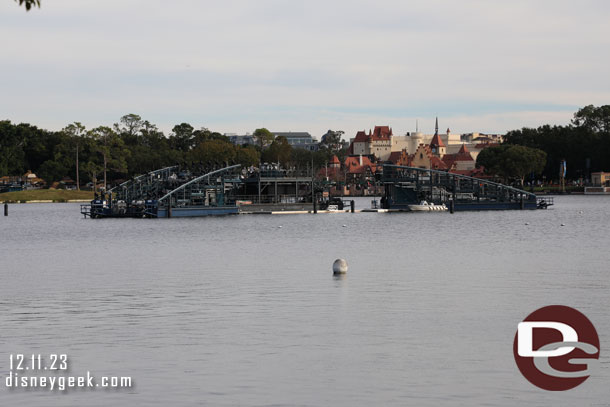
<point x="46" y="195"/>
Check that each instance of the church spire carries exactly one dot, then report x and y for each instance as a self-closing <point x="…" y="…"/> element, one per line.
<point x="436" y="127"/>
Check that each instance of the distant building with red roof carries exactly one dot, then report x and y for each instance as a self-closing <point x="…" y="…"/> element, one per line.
<point x="334" y="162"/>
<point x="462" y="160"/>
<point x="446" y="151"/>
<point x="359" y="166"/>
<point x="437" y="146"/>
<point x="399" y="157"/>
<point x="425" y="158"/>
<point x="332" y="172"/>
<point x="377" y="142"/>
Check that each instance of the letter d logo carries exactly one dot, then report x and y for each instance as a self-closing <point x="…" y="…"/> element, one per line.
<point x="554" y="347"/>
<point x="526" y="339"/>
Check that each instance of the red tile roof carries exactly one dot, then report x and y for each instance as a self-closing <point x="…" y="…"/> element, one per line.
<point x="462" y="155"/>
<point x="394" y="156"/>
<point x="399" y="158"/>
<point x="330" y="172"/>
<point x="352" y="165"/>
<point x="382" y="133"/>
<point x="436" y="141"/>
<point x="437" y="164"/>
<point x="362" y="137"/>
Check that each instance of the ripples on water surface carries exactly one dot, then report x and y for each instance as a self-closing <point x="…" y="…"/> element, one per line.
<point x="237" y="311"/>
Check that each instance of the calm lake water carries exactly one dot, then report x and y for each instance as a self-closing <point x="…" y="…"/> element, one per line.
<point x="238" y="311"/>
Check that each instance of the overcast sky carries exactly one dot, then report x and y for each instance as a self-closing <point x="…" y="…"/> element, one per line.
<point x="233" y="66"/>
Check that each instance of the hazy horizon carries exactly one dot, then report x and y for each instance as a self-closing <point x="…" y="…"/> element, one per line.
<point x="236" y="66"/>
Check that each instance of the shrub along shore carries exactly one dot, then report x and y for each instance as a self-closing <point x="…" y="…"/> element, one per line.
<point x="46" y="195"/>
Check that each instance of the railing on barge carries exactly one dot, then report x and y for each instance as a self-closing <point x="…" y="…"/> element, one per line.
<point x="405" y="186"/>
<point x="207" y="194"/>
<point x="161" y="192"/>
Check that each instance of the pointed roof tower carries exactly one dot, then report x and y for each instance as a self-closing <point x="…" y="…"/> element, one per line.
<point x="436" y="127"/>
<point x="436" y="145"/>
<point x="437" y="141"/>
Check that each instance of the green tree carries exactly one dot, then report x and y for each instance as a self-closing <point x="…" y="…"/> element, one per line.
<point x="29" y="3"/>
<point x="182" y="137"/>
<point x="279" y="151"/>
<point x="212" y="154"/>
<point x="129" y="127"/>
<point x="76" y="131"/>
<point x="512" y="161"/>
<point x="151" y="151"/>
<point x="263" y="137"/>
<point x="12" y="154"/>
<point x="205" y="134"/>
<point x="247" y="156"/>
<point x="51" y="171"/>
<point x="331" y="141"/>
<point x="301" y="158"/>
<point x="595" y="119"/>
<point x="93" y="169"/>
<point x="112" y="149"/>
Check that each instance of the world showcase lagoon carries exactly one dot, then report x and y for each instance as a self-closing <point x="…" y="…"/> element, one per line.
<point x="240" y="311"/>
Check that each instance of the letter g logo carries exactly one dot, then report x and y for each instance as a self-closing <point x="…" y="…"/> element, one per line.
<point x="555" y="347"/>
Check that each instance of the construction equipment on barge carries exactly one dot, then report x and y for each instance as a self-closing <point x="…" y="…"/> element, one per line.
<point x="168" y="192"/>
<point x="407" y="186"/>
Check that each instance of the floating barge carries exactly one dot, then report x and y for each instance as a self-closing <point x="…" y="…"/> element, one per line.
<point x="168" y="192"/>
<point x="407" y="186"/>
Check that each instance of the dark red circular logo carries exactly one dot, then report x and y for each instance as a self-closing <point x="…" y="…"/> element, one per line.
<point x="556" y="347"/>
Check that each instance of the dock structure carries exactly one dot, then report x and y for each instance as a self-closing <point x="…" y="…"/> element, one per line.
<point x="406" y="186"/>
<point x="207" y="194"/>
<point x="145" y="186"/>
<point x="168" y="192"/>
<point x="271" y="189"/>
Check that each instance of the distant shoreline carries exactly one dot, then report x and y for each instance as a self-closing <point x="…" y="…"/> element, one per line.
<point x="46" y="196"/>
<point x="34" y="201"/>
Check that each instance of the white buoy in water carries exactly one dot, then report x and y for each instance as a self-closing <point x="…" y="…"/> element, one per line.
<point x="340" y="266"/>
<point x="279" y="227"/>
<point x="563" y="224"/>
<point x="344" y="226"/>
<point x="527" y="223"/>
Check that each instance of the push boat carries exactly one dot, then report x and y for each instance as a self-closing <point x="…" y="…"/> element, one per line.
<point x="425" y="206"/>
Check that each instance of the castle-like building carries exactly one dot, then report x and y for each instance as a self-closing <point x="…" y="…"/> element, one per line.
<point x="452" y="152"/>
<point x="376" y="143"/>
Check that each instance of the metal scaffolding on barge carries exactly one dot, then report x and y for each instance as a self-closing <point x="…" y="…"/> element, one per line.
<point x="406" y="186"/>
<point x="166" y="192"/>
<point x="208" y="194"/>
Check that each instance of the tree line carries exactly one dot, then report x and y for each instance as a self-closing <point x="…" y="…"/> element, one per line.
<point x="134" y="146"/>
<point x="584" y="144"/>
<point x="535" y="153"/>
